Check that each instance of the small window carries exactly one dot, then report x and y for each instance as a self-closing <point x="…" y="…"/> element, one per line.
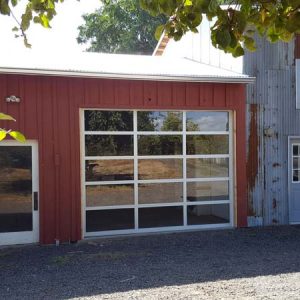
<point x="296" y="163"/>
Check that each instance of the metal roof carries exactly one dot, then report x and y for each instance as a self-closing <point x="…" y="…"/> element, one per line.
<point x="119" y="66"/>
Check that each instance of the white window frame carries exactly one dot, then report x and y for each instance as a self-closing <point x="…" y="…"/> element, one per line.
<point x="292" y="162"/>
<point x="184" y="180"/>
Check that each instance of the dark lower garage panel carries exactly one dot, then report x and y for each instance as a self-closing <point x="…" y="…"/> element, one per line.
<point x="113" y="219"/>
<point x="208" y="214"/>
<point x="160" y="216"/>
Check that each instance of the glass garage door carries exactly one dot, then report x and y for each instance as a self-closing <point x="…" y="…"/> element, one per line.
<point x="149" y="171"/>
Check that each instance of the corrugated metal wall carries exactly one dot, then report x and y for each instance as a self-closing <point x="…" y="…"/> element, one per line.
<point x="49" y="112"/>
<point x="271" y="118"/>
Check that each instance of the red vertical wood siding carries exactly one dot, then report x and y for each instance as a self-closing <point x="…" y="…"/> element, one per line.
<point x="49" y="113"/>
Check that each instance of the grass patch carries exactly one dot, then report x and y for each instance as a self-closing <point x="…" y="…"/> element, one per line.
<point x="61" y="260"/>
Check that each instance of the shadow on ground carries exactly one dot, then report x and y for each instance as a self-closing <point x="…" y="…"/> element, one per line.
<point x="115" y="265"/>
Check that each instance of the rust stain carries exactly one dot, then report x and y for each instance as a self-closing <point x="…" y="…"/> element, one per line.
<point x="274" y="203"/>
<point x="297" y="46"/>
<point x="253" y="158"/>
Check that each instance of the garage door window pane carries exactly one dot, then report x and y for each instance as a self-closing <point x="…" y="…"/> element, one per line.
<point x="207" y="121"/>
<point x="109" y="170"/>
<point x="109" y="195"/>
<point x="207" y="191"/>
<point x="108" y="145"/>
<point x="160" y="168"/>
<point x="159" y="121"/>
<point x="207" y="144"/>
<point x="97" y="120"/>
<point x="113" y="219"/>
<point x="159" y="144"/>
<point x="160" y="193"/>
<point x="207" y="214"/>
<point x="160" y="216"/>
<point x="207" y="167"/>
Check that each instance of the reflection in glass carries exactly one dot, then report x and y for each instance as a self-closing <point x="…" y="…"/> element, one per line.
<point x="160" y="216"/>
<point x="101" y="120"/>
<point x="108" y="145"/>
<point x="296" y="150"/>
<point x="207" y="214"/>
<point x="207" y="167"/>
<point x="109" y="195"/>
<point x="159" y="121"/>
<point x="107" y="170"/>
<point x="206" y="121"/>
<point x="112" y="219"/>
<point x="296" y="176"/>
<point x="207" y="191"/>
<point x="15" y="188"/>
<point x="160" y="193"/>
<point x="207" y="144"/>
<point x="160" y="168"/>
<point x="159" y="144"/>
<point x="296" y="163"/>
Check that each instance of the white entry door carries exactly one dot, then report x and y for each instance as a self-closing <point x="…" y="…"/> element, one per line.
<point x="19" y="217"/>
<point x="294" y="181"/>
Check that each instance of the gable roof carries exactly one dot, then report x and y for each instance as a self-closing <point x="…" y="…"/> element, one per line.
<point x="118" y="66"/>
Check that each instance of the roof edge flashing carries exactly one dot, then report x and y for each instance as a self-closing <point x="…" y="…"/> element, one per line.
<point x="217" y="79"/>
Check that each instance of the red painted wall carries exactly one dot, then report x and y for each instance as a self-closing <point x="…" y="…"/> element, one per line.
<point x="49" y="113"/>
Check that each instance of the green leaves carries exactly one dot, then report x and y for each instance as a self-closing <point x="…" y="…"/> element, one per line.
<point x="17" y="136"/>
<point x="14" y="134"/>
<point x="2" y="134"/>
<point x="6" y="117"/>
<point x="121" y="26"/>
<point x="4" y="7"/>
<point x="234" y="25"/>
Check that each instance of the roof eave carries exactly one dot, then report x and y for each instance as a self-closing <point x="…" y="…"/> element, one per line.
<point x="154" y="77"/>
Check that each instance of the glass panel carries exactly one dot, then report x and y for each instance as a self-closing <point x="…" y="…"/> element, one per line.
<point x="296" y="163"/>
<point x="296" y="150"/>
<point x="107" y="170"/>
<point x="160" y="193"/>
<point x="207" y="121"/>
<point x="207" y="214"/>
<point x="108" y="145"/>
<point x="108" y="195"/>
<point x="160" y="168"/>
<point x="160" y="216"/>
<point x="97" y="120"/>
<point x="159" y="144"/>
<point x="207" y="144"/>
<point x="159" y="121"/>
<point x="15" y="189"/>
<point x="207" y="167"/>
<point x="207" y="191"/>
<point x="296" y="176"/>
<point x="112" y="219"/>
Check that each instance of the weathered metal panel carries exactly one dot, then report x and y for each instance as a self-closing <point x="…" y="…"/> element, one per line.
<point x="271" y="118"/>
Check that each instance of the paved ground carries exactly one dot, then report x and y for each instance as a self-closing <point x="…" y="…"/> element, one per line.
<point x="237" y="264"/>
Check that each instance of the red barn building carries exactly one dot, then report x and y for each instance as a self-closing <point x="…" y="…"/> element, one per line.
<point x="121" y="144"/>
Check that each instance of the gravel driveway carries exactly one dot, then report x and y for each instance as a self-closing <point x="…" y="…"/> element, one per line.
<point x="231" y="264"/>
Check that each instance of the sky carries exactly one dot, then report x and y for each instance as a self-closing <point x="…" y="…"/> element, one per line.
<point x="60" y="38"/>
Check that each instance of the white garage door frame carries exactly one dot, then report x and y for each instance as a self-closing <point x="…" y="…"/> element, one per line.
<point x="136" y="181"/>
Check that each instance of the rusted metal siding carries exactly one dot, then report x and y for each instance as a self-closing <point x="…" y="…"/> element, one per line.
<point x="297" y="46"/>
<point x="49" y="113"/>
<point x="271" y="118"/>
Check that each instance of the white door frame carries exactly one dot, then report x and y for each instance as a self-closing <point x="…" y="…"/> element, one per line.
<point x="26" y="237"/>
<point x="290" y="157"/>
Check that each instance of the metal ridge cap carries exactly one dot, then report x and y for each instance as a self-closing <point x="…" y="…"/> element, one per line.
<point x="158" y="77"/>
